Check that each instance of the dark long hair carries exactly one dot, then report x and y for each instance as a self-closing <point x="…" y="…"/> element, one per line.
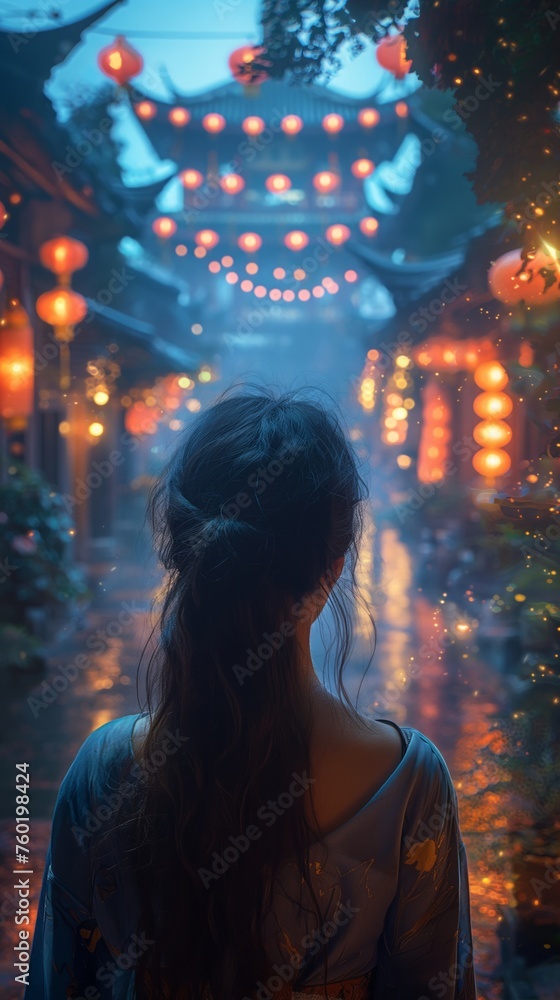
<point x="258" y="501"/>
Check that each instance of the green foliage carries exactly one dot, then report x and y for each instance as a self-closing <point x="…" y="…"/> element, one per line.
<point x="35" y="565"/>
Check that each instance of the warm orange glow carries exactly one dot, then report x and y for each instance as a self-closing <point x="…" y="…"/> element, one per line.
<point x="279" y="273"/>
<point x="120" y="61"/>
<point x="296" y="240"/>
<point x="291" y="124"/>
<point x="191" y="179"/>
<point x="275" y="294"/>
<point x="510" y="284"/>
<point x="299" y="274"/>
<point x="333" y="123"/>
<point x="63" y="255"/>
<point x="401" y="109"/>
<point x="252" y="268"/>
<point x="145" y="110"/>
<point x="249" y="242"/>
<point x="164" y="227"/>
<point x="490" y="375"/>
<point x="61" y="307"/>
<point x="246" y="285"/>
<point x="326" y="181"/>
<point x="179" y="117"/>
<point x="492" y="433"/>
<point x="213" y="123"/>
<point x="435" y="433"/>
<point x="304" y="294"/>
<point x="363" y="167"/>
<point x="232" y="277"/>
<point x="16" y="363"/>
<point x="288" y="295"/>
<point x="253" y="125"/>
<point x="318" y="291"/>
<point x="350" y="276"/>
<point x="492" y="404"/>
<point x="241" y="63"/>
<point x="227" y="261"/>
<point x="260" y="291"/>
<point x="369" y="225"/>
<point x="526" y="354"/>
<point x="277" y="183"/>
<point x="491" y="462"/>
<point x="206" y="238"/>
<point x="96" y="428"/>
<point x="232" y="183"/>
<point x="368" y="117"/>
<point x="337" y="234"/>
<point x="391" y="55"/>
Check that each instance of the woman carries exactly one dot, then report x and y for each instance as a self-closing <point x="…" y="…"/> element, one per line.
<point x="252" y="836"/>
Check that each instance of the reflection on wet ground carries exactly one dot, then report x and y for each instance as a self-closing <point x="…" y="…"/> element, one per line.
<point x="418" y="678"/>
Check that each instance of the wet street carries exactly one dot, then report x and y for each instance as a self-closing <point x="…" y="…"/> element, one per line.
<point x="416" y="678"/>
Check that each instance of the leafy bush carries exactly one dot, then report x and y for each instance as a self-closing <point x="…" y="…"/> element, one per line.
<point x="36" y="569"/>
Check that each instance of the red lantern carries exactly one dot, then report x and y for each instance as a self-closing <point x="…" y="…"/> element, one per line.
<point x="191" y="179"/>
<point x="164" y="227"/>
<point x="120" y="61"/>
<point x="145" y="110"/>
<point x="63" y="256"/>
<point x="179" y="117"/>
<point x="368" y="117"/>
<point x="16" y="363"/>
<point x="337" y="234"/>
<point x="242" y="65"/>
<point x="206" y="238"/>
<point x="491" y="375"/>
<point x="213" y="123"/>
<point x="277" y="183"/>
<point x="391" y="54"/>
<point x="326" y="181"/>
<point x="249" y="242"/>
<point x="253" y="125"/>
<point x="61" y="307"/>
<point x="535" y="282"/>
<point x="369" y="225"/>
<point x="296" y="240"/>
<point x="333" y="123"/>
<point x="491" y="462"/>
<point x="362" y="168"/>
<point x="232" y="183"/>
<point x="291" y="124"/>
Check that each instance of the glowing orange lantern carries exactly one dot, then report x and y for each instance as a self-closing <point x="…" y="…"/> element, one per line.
<point x="391" y="55"/>
<point x="401" y="109"/>
<point x="253" y="125"/>
<point x="333" y="123"/>
<point x="491" y="375"/>
<point x="291" y="124"/>
<point x="62" y="308"/>
<point x="232" y="183"/>
<point x="141" y="419"/>
<point x="491" y="462"/>
<point x="191" y="179"/>
<point x="277" y="183"/>
<point x="369" y="225"/>
<point x="179" y="117"/>
<point x="145" y="110"/>
<point x="242" y="65"/>
<point x="213" y="123"/>
<point x="120" y="61"/>
<point x="164" y="227"/>
<point x="492" y="433"/>
<point x="16" y="363"/>
<point x="249" y="242"/>
<point x="206" y="238"/>
<point x="63" y="256"/>
<point x="363" y="167"/>
<point x="296" y="240"/>
<point x="337" y="234"/>
<point x="326" y="181"/>
<point x="535" y="282"/>
<point x="368" y="117"/>
<point x="492" y="404"/>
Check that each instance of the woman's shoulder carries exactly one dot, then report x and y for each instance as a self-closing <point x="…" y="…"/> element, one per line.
<point x="105" y="749"/>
